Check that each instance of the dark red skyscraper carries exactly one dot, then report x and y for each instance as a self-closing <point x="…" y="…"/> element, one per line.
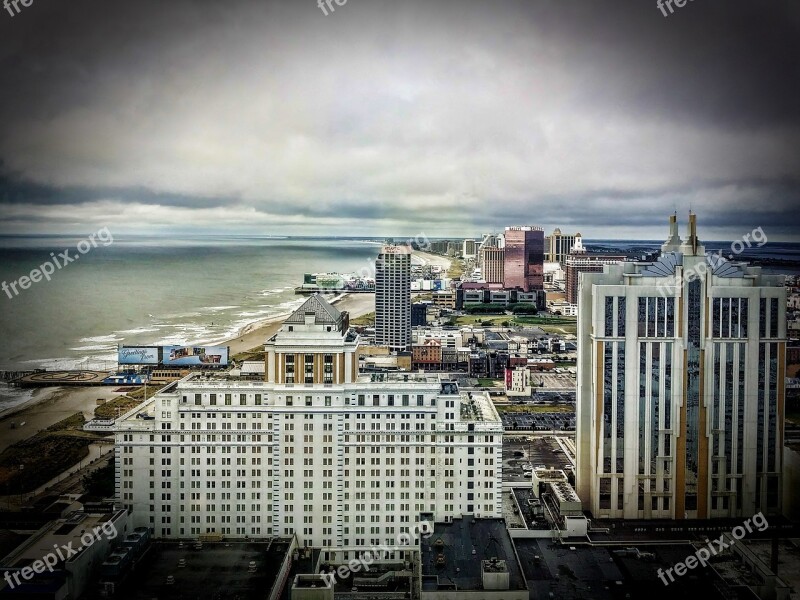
<point x="524" y="259"/>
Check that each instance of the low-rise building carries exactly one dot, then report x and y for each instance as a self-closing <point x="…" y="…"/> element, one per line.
<point x="469" y="558"/>
<point x="61" y="559"/>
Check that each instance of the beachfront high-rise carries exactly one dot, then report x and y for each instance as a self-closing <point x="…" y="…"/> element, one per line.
<point x="344" y="461"/>
<point x="492" y="261"/>
<point x="558" y="245"/>
<point x="680" y="386"/>
<point x="393" y="298"/>
<point x="524" y="258"/>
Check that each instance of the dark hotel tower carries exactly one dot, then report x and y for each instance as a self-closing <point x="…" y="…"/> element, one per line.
<point x="524" y="258"/>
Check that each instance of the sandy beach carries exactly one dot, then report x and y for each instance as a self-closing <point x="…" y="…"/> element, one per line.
<point x="434" y="259"/>
<point x="50" y="405"/>
<point x="357" y="305"/>
<point x="256" y="334"/>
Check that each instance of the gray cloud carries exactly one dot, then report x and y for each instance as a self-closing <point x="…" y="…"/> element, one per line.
<point x="391" y="117"/>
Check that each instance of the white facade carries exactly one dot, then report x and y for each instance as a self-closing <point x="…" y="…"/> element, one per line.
<point x="344" y="465"/>
<point x="393" y="298"/>
<point x="518" y="382"/>
<point x="680" y="387"/>
<point x="469" y="248"/>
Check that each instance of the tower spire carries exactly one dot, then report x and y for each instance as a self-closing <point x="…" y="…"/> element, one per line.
<point x="674" y="240"/>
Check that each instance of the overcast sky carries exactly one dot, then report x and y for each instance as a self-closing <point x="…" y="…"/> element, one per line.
<point x="400" y="117"/>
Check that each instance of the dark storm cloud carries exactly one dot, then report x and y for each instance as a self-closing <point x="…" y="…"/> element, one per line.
<point x="17" y="191"/>
<point x="392" y="116"/>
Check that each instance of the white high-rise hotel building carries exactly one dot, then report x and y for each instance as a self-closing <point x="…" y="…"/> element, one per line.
<point x="343" y="461"/>
<point x="681" y="386"/>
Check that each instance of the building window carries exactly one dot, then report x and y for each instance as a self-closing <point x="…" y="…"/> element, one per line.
<point x="289" y="373"/>
<point x="309" y="368"/>
<point x="327" y="371"/>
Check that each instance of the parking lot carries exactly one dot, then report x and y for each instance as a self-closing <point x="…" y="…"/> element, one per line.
<point x="530" y="421"/>
<point x="554" y="381"/>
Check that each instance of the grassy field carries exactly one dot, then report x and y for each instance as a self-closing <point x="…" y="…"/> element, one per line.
<point x="554" y="325"/>
<point x="495" y="320"/>
<point x="122" y="404"/>
<point x="30" y="463"/>
<point x="456" y="269"/>
<point x="366" y="320"/>
<point x="256" y="353"/>
<point x="118" y="406"/>
<point x="535" y="408"/>
<point x="484" y="382"/>
<point x="139" y="393"/>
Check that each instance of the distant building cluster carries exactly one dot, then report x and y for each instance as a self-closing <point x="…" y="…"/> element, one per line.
<point x="522" y="260"/>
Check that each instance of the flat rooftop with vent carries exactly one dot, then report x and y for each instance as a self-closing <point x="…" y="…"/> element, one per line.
<point x="471" y="558"/>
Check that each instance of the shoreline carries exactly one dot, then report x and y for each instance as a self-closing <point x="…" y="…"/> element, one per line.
<point x="37" y="396"/>
<point x="249" y="337"/>
<point x="357" y="305"/>
<point x="48" y="407"/>
<point x="257" y="333"/>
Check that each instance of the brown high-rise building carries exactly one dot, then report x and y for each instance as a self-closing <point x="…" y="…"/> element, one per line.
<point x="580" y="261"/>
<point x="524" y="258"/>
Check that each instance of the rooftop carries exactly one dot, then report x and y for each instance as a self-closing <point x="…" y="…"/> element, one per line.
<point x="452" y="557"/>
<point x="217" y="570"/>
<point x="63" y="532"/>
<point x="324" y="313"/>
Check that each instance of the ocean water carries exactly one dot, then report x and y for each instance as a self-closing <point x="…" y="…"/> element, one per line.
<point x="153" y="291"/>
<point x="780" y="251"/>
